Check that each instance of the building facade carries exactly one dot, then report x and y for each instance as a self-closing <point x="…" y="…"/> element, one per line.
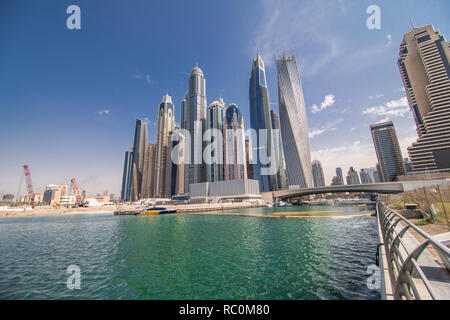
<point x="175" y="175"/>
<point x="148" y="186"/>
<point x="260" y="122"/>
<point x="388" y="150"/>
<point x="52" y="194"/>
<point x="126" y="176"/>
<point x="318" y="177"/>
<point x="425" y="70"/>
<point x="282" y="173"/>
<point x="235" y="161"/>
<point x="140" y="143"/>
<point x="352" y="177"/>
<point x="294" y="123"/>
<point x="195" y="123"/>
<point x="214" y="119"/>
<point x="366" y="176"/>
<point x="166" y="123"/>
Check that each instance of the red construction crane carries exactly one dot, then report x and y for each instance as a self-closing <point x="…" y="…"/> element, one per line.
<point x="80" y="197"/>
<point x="29" y="182"/>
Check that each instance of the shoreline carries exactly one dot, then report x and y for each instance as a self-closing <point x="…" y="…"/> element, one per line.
<point x="57" y="211"/>
<point x="126" y="209"/>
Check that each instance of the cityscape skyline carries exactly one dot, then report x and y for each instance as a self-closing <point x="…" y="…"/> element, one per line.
<point x="325" y="108"/>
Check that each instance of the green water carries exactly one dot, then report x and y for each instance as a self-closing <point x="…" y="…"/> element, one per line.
<point x="189" y="256"/>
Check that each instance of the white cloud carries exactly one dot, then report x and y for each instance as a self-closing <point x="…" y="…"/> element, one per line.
<point x="140" y="76"/>
<point x="394" y="108"/>
<point x="353" y="129"/>
<point x="389" y="39"/>
<point x="316" y="132"/>
<point x="384" y="120"/>
<point x="327" y="102"/>
<point x="330" y="126"/>
<point x="104" y="111"/>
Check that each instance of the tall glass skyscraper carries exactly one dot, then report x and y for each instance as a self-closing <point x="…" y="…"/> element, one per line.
<point x="140" y="144"/>
<point x="194" y="121"/>
<point x="166" y="123"/>
<point x="424" y="63"/>
<point x="388" y="150"/>
<point x="126" y="177"/>
<point x="319" y="180"/>
<point x="235" y="164"/>
<point x="215" y="116"/>
<point x="282" y="174"/>
<point x="260" y="120"/>
<point x="294" y="124"/>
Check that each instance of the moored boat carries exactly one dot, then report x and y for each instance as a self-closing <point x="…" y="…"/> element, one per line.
<point x="155" y="211"/>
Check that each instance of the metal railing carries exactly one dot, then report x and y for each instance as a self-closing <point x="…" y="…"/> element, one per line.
<point x="406" y="275"/>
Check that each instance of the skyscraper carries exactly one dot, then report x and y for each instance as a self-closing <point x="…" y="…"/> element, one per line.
<point x="282" y="174"/>
<point x="215" y="116"/>
<point x="148" y="171"/>
<point x="319" y="180"/>
<point x="388" y="150"/>
<point x="235" y="164"/>
<point x="425" y="70"/>
<point x="166" y="123"/>
<point x="195" y="122"/>
<point x="352" y="177"/>
<point x="140" y="143"/>
<point x="340" y="175"/>
<point x="294" y="124"/>
<point x="260" y="120"/>
<point x="126" y="177"/>
<point x="175" y="164"/>
<point x="365" y="175"/>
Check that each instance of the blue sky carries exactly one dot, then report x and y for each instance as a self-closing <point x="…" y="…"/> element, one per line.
<point x="69" y="98"/>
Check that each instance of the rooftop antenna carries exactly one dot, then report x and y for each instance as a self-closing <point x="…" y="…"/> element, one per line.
<point x="411" y="21"/>
<point x="196" y="64"/>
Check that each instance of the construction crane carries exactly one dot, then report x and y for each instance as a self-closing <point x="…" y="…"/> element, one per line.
<point x="29" y="182"/>
<point x="78" y="196"/>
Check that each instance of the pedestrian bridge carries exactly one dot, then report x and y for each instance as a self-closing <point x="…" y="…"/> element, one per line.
<point x="385" y="187"/>
<point x="388" y="187"/>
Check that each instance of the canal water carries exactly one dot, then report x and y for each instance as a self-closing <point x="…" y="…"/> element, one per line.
<point x="182" y="256"/>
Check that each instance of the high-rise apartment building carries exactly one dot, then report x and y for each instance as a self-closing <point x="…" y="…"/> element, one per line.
<point x="166" y="123"/>
<point x="52" y="194"/>
<point x="63" y="187"/>
<point x="148" y="171"/>
<point x="352" y="177"/>
<point x="214" y="121"/>
<point x="340" y="175"/>
<point x="282" y="173"/>
<point x="235" y="161"/>
<point x="140" y="143"/>
<point x="388" y="150"/>
<point x="175" y="164"/>
<point x="194" y="121"/>
<point x="294" y="124"/>
<point x="248" y="157"/>
<point x="318" y="177"/>
<point x="127" y="175"/>
<point x="365" y="175"/>
<point x="260" y="121"/>
<point x="425" y="70"/>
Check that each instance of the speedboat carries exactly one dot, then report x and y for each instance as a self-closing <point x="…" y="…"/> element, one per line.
<point x="155" y="211"/>
<point x="282" y="204"/>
